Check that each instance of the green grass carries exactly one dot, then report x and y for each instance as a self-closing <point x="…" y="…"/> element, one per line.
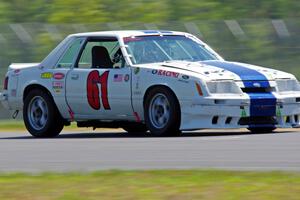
<point x="172" y="185"/>
<point x="18" y="125"/>
<point x="6" y="125"/>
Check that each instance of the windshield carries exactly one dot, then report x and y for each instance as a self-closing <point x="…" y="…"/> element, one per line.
<point x="152" y="49"/>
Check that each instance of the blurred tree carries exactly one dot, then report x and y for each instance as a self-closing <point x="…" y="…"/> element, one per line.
<point x="149" y="11"/>
<point x="194" y="10"/>
<point x="3" y="12"/>
<point x="19" y="11"/>
<point x="77" y="11"/>
<point x="259" y="9"/>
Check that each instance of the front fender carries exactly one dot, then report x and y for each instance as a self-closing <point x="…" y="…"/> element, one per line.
<point x="183" y="86"/>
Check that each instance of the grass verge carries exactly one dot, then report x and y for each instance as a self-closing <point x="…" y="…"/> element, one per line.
<point x="18" y="125"/>
<point x="13" y="125"/>
<point x="172" y="184"/>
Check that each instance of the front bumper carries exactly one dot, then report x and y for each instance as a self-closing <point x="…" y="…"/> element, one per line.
<point x="217" y="113"/>
<point x="4" y="99"/>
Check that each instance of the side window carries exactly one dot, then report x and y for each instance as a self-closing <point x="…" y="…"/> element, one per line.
<point x="101" y="54"/>
<point x="67" y="60"/>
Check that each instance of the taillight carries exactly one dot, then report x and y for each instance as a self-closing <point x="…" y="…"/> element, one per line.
<point x="5" y="83"/>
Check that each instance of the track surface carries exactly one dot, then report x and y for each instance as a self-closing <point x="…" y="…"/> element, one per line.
<point x="116" y="150"/>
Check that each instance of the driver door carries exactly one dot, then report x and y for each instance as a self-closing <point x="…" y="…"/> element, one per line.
<point x="99" y="86"/>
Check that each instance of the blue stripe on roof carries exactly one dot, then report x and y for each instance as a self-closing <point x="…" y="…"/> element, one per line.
<point x="156" y="31"/>
<point x="150" y="31"/>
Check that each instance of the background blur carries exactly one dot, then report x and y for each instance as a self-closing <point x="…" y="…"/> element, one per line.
<point x="265" y="32"/>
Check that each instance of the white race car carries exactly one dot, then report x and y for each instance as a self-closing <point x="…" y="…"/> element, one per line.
<point x="162" y="81"/>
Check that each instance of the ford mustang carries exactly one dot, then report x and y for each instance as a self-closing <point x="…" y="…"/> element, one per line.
<point x="163" y="82"/>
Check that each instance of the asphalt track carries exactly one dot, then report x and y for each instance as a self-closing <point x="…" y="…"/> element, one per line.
<point x="233" y="150"/>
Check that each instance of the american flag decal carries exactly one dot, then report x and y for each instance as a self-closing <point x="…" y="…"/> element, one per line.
<point x="118" y="77"/>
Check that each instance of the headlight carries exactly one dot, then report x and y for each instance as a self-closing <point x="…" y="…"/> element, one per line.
<point x="287" y="85"/>
<point x="222" y="87"/>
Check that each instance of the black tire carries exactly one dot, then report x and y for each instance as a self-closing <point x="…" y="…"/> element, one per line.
<point x="172" y="124"/>
<point x="53" y="123"/>
<point x="135" y="128"/>
<point x="262" y="129"/>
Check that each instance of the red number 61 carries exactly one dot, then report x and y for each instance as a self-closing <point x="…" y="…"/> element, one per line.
<point x="93" y="80"/>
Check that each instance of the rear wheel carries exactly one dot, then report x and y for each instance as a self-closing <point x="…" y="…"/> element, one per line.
<point x="262" y="130"/>
<point x="41" y="116"/>
<point x="162" y="112"/>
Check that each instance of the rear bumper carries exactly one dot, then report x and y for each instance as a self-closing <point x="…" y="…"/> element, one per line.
<point x="4" y="99"/>
<point x="235" y="113"/>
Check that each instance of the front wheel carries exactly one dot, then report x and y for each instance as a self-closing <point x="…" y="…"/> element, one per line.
<point x="41" y="116"/>
<point x="162" y="112"/>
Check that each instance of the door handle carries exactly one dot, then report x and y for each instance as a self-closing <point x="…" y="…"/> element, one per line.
<point x="74" y="76"/>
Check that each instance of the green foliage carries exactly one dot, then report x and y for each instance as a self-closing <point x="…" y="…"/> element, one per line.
<point x="77" y="11"/>
<point x="96" y="11"/>
<point x="23" y="11"/>
<point x="162" y="184"/>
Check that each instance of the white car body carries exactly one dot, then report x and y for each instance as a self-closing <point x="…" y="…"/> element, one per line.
<point x="212" y="94"/>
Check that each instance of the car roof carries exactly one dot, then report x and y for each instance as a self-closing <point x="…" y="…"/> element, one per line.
<point x="128" y="33"/>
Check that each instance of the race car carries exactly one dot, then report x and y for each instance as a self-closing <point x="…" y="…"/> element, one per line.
<point x="159" y="82"/>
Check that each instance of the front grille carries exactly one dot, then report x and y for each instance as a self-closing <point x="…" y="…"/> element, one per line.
<point x="258" y="120"/>
<point x="258" y="89"/>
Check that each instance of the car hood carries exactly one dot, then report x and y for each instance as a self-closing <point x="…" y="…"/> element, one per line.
<point x="218" y="69"/>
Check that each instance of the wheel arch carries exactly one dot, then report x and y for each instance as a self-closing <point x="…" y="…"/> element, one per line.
<point x="160" y="86"/>
<point x="33" y="86"/>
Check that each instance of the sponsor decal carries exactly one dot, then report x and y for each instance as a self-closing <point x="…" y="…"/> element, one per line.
<point x="118" y="77"/>
<point x="256" y="84"/>
<point x="17" y="71"/>
<point x="57" y="91"/>
<point x="126" y="78"/>
<point x="154" y="71"/>
<point x="58" y="85"/>
<point x="136" y="70"/>
<point x="137" y="93"/>
<point x="243" y="113"/>
<point x="131" y="39"/>
<point x="59" y="76"/>
<point x="278" y="111"/>
<point x="46" y="75"/>
<point x="137" y="83"/>
<point x="165" y="73"/>
<point x="185" y="77"/>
